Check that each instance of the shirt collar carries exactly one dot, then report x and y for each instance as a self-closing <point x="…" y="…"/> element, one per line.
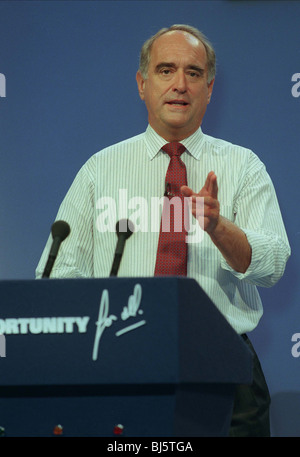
<point x="155" y="142"/>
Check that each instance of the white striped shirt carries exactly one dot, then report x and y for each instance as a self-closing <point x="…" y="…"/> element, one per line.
<point x="123" y="176"/>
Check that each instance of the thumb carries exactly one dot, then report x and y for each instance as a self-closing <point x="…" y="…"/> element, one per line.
<point x="186" y="191"/>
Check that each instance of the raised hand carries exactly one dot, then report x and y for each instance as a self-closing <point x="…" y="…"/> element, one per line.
<point x="207" y="213"/>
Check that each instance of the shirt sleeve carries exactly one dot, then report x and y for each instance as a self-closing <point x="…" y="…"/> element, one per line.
<point x="75" y="256"/>
<point x="257" y="213"/>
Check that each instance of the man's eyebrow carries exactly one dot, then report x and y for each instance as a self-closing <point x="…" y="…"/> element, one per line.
<point x="196" y="68"/>
<point x="165" y="64"/>
<point x="173" y="65"/>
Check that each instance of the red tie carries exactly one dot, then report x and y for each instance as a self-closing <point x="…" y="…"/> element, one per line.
<point x="172" y="249"/>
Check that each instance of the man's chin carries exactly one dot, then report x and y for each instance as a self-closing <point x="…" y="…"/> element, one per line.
<point x="176" y="131"/>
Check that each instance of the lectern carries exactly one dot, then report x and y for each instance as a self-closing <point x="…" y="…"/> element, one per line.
<point x="153" y="355"/>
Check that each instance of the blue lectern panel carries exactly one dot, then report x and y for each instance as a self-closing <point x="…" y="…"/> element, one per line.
<point x="145" y="352"/>
<point x="87" y="332"/>
<point x="115" y="331"/>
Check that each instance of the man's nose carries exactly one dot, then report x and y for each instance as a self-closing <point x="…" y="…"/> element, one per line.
<point x="180" y="81"/>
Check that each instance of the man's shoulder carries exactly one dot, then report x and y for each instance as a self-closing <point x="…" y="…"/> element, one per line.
<point x="109" y="153"/>
<point x="120" y="146"/>
<point x="221" y="144"/>
<point x="240" y="156"/>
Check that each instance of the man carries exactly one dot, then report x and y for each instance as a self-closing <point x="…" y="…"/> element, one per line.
<point x="244" y="242"/>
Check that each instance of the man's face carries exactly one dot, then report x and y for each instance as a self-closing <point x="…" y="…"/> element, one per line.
<point x="176" y="91"/>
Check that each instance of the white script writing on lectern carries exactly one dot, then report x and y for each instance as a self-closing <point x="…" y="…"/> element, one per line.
<point x="105" y="319"/>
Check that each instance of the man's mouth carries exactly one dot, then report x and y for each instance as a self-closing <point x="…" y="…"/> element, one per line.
<point x="177" y="102"/>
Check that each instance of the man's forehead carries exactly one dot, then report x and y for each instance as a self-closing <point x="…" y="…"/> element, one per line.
<point x="178" y="35"/>
<point x="173" y="41"/>
<point x="194" y="41"/>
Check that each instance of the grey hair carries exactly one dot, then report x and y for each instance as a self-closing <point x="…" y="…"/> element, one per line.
<point x="145" y="53"/>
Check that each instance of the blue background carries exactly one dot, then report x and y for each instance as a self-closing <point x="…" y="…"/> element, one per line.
<point x="70" y="91"/>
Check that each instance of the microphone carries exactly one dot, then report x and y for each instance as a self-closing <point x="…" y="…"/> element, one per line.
<point x="167" y="190"/>
<point x="60" y="230"/>
<point x="124" y="229"/>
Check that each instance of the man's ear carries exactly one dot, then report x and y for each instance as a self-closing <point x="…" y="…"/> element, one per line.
<point x="141" y="84"/>
<point x="210" y="89"/>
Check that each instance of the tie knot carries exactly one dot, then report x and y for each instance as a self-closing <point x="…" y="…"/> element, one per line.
<point x="174" y="148"/>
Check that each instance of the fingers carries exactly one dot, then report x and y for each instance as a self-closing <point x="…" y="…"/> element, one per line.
<point x="204" y="205"/>
<point x="187" y="191"/>
<point x="210" y="188"/>
<point x="211" y="185"/>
